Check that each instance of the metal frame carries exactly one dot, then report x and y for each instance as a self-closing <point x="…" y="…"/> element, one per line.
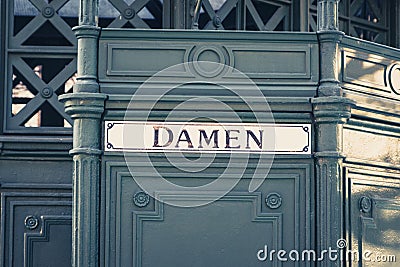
<point x="16" y="50"/>
<point x="244" y="9"/>
<point x="3" y="40"/>
<point x="172" y="17"/>
<point x="390" y="27"/>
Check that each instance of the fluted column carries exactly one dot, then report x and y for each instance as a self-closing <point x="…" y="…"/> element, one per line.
<point x="331" y="110"/>
<point x="330" y="114"/>
<point x="86" y="106"/>
<point x="86" y="110"/>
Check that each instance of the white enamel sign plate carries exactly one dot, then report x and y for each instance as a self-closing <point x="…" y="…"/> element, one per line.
<point x="132" y="136"/>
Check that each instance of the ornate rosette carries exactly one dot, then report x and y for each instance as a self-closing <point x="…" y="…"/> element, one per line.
<point x="273" y="200"/>
<point x="365" y="204"/>
<point x="31" y="222"/>
<point x="141" y="199"/>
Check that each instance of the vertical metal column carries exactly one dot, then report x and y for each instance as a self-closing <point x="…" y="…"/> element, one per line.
<point x="331" y="110"/>
<point x="86" y="106"/>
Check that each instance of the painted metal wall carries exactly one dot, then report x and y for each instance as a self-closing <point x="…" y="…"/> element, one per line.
<point x="231" y="230"/>
<point x="355" y="197"/>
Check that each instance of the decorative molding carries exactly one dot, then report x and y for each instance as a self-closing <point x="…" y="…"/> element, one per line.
<point x="370" y="70"/>
<point x="367" y="217"/>
<point x="10" y="201"/>
<point x="31" y="222"/>
<point x="394" y="78"/>
<point x="332" y="110"/>
<point x="367" y="223"/>
<point x="84" y="105"/>
<point x="365" y="69"/>
<point x="199" y="51"/>
<point x="122" y="59"/>
<point x="118" y="181"/>
<point x="141" y="199"/>
<point x="30" y="238"/>
<point x="138" y="218"/>
<point x="374" y="145"/>
<point x="121" y="50"/>
<point x="273" y="200"/>
<point x="365" y="204"/>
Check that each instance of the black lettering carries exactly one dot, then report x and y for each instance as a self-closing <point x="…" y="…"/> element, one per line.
<point x="228" y="138"/>
<point x="187" y="139"/>
<point x="157" y="135"/>
<point x="258" y="141"/>
<point x="208" y="140"/>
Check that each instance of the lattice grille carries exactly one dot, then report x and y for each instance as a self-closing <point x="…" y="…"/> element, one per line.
<point x="40" y="32"/>
<point x="244" y="15"/>
<point x="46" y="18"/>
<point x="143" y="14"/>
<point x="35" y="90"/>
<point x="365" y="19"/>
<point x="41" y="65"/>
<point x="42" y="55"/>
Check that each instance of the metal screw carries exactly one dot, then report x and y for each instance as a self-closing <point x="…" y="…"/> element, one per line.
<point x="31" y="222"/>
<point x="129" y="13"/>
<point x="48" y="12"/>
<point x="47" y="92"/>
<point x="217" y="21"/>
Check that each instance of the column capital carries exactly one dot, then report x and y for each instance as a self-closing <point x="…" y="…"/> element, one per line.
<point x="329" y="155"/>
<point x="332" y="109"/>
<point x="84" y="105"/>
<point x="331" y="36"/>
<point x="86" y="31"/>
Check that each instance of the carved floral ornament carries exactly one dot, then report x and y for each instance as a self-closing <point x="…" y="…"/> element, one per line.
<point x="141" y="199"/>
<point x="365" y="204"/>
<point x="273" y="200"/>
<point x="31" y="222"/>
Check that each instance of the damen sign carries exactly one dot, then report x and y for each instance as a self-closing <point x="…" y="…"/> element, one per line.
<point x="207" y="137"/>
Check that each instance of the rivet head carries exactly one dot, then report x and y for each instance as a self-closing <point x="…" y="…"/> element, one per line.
<point x="31" y="222"/>
<point x="129" y="13"/>
<point x="48" y="12"/>
<point x="273" y="200"/>
<point x="47" y="92"/>
<point x="217" y="21"/>
<point x="141" y="199"/>
<point x="365" y="204"/>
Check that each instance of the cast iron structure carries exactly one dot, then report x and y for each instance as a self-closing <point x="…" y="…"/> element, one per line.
<point x="345" y="191"/>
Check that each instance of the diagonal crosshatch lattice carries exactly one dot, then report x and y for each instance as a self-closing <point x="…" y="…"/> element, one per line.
<point x="41" y="29"/>
<point x="44" y="92"/>
<point x="262" y="15"/>
<point x="217" y="17"/>
<point x="41" y="65"/>
<point x="281" y="14"/>
<point x="131" y="13"/>
<point x="47" y="13"/>
<point x="364" y="19"/>
<point x="369" y="20"/>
